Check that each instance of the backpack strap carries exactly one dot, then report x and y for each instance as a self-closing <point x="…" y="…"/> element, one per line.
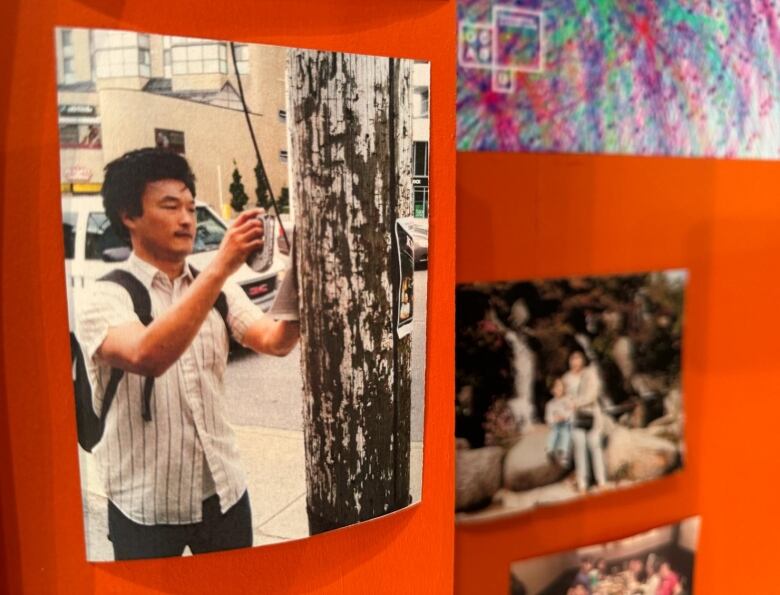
<point x="142" y="305"/>
<point x="220" y="305"/>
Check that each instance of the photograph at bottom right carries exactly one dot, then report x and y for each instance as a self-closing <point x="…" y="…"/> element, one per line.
<point x="656" y="562"/>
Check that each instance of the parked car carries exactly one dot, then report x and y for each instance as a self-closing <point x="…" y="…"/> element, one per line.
<point x="419" y="231"/>
<point x="92" y="248"/>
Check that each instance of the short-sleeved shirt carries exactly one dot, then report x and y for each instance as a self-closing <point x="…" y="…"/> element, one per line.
<point x="153" y="471"/>
<point x="562" y="407"/>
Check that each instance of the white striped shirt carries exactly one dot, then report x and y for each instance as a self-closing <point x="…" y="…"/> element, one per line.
<point x="154" y="471"/>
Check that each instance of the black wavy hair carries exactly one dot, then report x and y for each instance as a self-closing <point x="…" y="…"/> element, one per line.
<point x="581" y="350"/>
<point x="126" y="178"/>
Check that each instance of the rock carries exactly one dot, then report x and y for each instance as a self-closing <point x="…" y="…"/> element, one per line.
<point x="638" y="455"/>
<point x="527" y="466"/>
<point x="477" y="476"/>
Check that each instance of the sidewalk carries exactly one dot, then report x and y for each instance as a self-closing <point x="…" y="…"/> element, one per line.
<point x="274" y="462"/>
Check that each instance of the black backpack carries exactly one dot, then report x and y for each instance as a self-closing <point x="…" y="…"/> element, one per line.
<point x="89" y="425"/>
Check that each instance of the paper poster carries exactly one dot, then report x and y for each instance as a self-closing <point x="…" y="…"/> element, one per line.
<point x="235" y="301"/>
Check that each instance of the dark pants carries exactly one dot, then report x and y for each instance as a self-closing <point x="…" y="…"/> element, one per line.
<point x="214" y="533"/>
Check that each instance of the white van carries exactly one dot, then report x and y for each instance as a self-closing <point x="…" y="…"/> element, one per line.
<point x="92" y="249"/>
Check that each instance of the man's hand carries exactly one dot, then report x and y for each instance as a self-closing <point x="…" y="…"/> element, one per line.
<point x="245" y="235"/>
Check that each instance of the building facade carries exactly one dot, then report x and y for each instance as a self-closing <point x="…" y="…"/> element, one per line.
<point x="120" y="90"/>
<point x="421" y="82"/>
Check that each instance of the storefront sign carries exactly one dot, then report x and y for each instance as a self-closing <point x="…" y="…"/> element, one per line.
<point x="78" y="173"/>
<point x="78" y="110"/>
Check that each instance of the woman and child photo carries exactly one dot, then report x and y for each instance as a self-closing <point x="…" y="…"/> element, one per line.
<point x="574" y="417"/>
<point x="576" y="380"/>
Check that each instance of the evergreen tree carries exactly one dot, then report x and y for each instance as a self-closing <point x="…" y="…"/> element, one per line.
<point x="238" y="195"/>
<point x="262" y="192"/>
<point x="284" y="200"/>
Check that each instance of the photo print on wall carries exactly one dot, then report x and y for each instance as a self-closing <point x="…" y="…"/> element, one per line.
<point x="686" y="79"/>
<point x="566" y="387"/>
<point x="657" y="561"/>
<point x="241" y="406"/>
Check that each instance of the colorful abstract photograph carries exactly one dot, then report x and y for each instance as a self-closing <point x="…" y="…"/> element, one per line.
<point x="686" y="78"/>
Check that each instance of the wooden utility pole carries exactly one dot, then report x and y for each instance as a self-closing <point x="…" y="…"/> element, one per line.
<point x="351" y="152"/>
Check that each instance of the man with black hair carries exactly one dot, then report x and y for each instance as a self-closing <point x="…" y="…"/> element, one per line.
<point x="173" y="477"/>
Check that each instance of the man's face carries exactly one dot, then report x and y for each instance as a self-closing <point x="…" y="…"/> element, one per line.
<point x="166" y="229"/>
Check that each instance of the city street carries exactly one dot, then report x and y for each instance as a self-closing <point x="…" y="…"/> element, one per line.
<point x="267" y="391"/>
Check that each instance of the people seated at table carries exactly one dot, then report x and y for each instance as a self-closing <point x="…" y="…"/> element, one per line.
<point x="654" y="576"/>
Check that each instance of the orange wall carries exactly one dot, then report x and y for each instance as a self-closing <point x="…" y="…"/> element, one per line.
<point x="42" y="541"/>
<point x="526" y="216"/>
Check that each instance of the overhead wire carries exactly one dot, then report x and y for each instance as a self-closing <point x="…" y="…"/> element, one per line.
<point x="260" y="167"/>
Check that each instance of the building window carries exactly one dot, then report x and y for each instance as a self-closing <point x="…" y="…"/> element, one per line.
<point x="69" y="135"/>
<point x="421" y="202"/>
<point x="242" y="58"/>
<point x="283" y="156"/>
<point x="194" y="56"/>
<point x="144" y="62"/>
<point x="282" y="115"/>
<point x="92" y="59"/>
<point x="170" y="140"/>
<point x="80" y="136"/>
<point x="168" y="71"/>
<point x="420" y="178"/>
<point x="420" y="159"/>
<point x="69" y="221"/>
<point x="420" y="102"/>
<point x="68" y="71"/>
<point x="121" y="53"/>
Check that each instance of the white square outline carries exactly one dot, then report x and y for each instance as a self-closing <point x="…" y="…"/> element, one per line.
<point x="518" y="11"/>
<point x="479" y="26"/>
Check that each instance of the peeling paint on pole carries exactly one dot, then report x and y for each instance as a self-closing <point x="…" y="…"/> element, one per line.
<point x="351" y="150"/>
